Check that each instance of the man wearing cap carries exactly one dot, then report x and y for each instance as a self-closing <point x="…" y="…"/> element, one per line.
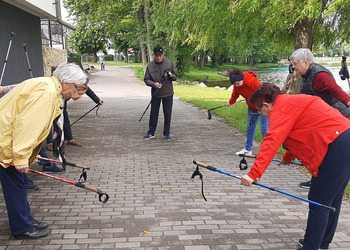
<point x="159" y="75"/>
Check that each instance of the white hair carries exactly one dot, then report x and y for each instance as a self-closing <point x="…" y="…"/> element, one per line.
<point x="303" y="55"/>
<point x="70" y="73"/>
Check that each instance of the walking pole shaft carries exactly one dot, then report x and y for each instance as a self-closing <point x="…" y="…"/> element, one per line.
<point x="7" y="55"/>
<point x="264" y="186"/>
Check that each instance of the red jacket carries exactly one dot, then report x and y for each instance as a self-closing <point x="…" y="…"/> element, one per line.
<point x="250" y="84"/>
<point x="306" y="125"/>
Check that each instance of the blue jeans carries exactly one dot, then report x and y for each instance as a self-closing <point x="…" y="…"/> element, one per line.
<point x="251" y="126"/>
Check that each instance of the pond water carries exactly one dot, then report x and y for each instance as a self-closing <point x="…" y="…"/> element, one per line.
<point x="279" y="77"/>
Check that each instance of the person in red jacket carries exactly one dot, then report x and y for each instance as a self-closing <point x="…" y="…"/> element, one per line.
<point x="245" y="84"/>
<point x="319" y="137"/>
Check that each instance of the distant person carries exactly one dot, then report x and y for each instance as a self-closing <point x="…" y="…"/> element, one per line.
<point x="319" y="81"/>
<point x="102" y="62"/>
<point x="245" y="84"/>
<point x="317" y="135"/>
<point x="27" y="114"/>
<point x="159" y="75"/>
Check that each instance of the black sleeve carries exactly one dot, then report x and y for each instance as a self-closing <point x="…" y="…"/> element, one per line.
<point x="92" y="95"/>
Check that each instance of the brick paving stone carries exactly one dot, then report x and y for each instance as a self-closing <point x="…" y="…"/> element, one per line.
<point x="154" y="203"/>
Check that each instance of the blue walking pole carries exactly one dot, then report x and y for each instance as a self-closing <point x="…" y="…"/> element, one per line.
<point x="203" y="165"/>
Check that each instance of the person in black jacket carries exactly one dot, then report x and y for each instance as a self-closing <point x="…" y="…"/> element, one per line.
<point x="68" y="136"/>
<point x="159" y="75"/>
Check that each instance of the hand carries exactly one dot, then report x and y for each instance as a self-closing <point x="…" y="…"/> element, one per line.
<point x="157" y="85"/>
<point x="100" y="103"/>
<point x="22" y="168"/>
<point x="283" y="162"/>
<point x="228" y="104"/>
<point x="246" y="180"/>
<point x="170" y="74"/>
<point x="1" y="90"/>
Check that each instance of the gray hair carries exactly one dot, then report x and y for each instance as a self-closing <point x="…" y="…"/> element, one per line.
<point x="70" y="73"/>
<point x="303" y="55"/>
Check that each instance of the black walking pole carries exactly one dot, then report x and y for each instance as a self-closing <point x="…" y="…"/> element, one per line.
<point x="30" y="68"/>
<point x="85" y="114"/>
<point x="7" y="55"/>
<point x="209" y="114"/>
<point x="261" y="185"/>
<point x="155" y="93"/>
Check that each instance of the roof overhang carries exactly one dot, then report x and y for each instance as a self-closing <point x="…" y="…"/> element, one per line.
<point x="45" y="9"/>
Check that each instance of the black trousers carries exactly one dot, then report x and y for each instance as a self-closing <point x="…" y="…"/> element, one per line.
<point x="167" y="111"/>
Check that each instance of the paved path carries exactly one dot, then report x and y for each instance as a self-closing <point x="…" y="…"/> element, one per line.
<point x="154" y="203"/>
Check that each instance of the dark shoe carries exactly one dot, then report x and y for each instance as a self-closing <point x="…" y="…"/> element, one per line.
<point x="53" y="169"/>
<point x="32" y="187"/>
<point x="301" y="244"/>
<point x="148" y="136"/>
<point x="167" y="138"/>
<point x="306" y="184"/>
<point x="49" y="147"/>
<point x="74" y="143"/>
<point x="33" y="233"/>
<point x="40" y="225"/>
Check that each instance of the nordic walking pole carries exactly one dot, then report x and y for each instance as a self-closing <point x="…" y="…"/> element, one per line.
<point x="30" y="68"/>
<point x="83" y="175"/>
<point x="67" y="163"/>
<point x="155" y="93"/>
<point x="277" y="160"/>
<point x="100" y="193"/>
<point x="203" y="165"/>
<point x="209" y="114"/>
<point x="85" y="114"/>
<point x="7" y="55"/>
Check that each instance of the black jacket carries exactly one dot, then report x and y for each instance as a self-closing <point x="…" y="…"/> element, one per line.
<point x="154" y="73"/>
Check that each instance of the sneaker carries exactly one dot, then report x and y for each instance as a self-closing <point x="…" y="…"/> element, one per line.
<point x="301" y="244"/>
<point x="32" y="187"/>
<point x="305" y="184"/>
<point x="148" y="136"/>
<point x="244" y="152"/>
<point x="167" y="138"/>
<point x="53" y="169"/>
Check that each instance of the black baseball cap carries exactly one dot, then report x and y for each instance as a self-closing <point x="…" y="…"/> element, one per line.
<point x="158" y="50"/>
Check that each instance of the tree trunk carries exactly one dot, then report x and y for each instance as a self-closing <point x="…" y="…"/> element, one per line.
<point x="202" y="59"/>
<point x="303" y="39"/>
<point x="143" y="54"/>
<point x="148" y="34"/>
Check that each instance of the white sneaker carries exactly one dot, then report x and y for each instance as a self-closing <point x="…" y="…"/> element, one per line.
<point x="244" y="152"/>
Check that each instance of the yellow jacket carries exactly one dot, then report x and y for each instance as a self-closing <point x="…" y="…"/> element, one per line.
<point x="26" y="116"/>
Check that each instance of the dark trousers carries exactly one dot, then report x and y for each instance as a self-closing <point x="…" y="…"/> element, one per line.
<point x="43" y="154"/>
<point x="14" y="186"/>
<point x="167" y="110"/>
<point x="328" y="188"/>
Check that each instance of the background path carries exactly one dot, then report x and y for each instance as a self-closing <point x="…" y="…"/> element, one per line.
<point x="154" y="203"/>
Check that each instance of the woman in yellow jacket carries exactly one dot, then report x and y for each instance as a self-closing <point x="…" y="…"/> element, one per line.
<point x="27" y="113"/>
